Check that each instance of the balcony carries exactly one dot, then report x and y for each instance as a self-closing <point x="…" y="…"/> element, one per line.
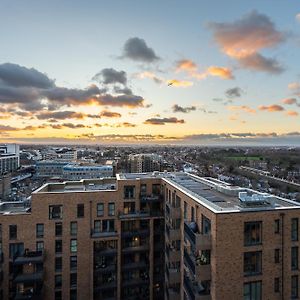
<point x="138" y="248"/>
<point x="105" y="269"/>
<point x="173" y="294"/>
<point x="173" y="212"/>
<point x="135" y="282"/>
<point x="105" y="286"/>
<point x="106" y="252"/>
<point x="195" y="291"/>
<point x="136" y="232"/>
<point x="29" y="257"/>
<point x="200" y="271"/>
<point x="173" y="255"/>
<point x="103" y="234"/>
<point x="134" y="215"/>
<point x="173" y="234"/>
<point x="36" y="277"/>
<point x="135" y="265"/>
<point x="173" y="275"/>
<point x="29" y="294"/>
<point x="150" y="198"/>
<point x="199" y="241"/>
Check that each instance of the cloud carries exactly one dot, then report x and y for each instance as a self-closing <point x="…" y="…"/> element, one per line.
<point x="186" y="65"/>
<point x="179" y="83"/>
<point x="17" y="76"/>
<point x="224" y="73"/>
<point x="136" y="49"/>
<point x="152" y="76"/>
<point x="187" y="109"/>
<point x="123" y="90"/>
<point x="111" y="76"/>
<point x="244" y="108"/>
<point x="60" y="115"/>
<point x="235" y="92"/>
<point x="271" y="108"/>
<point x="298" y="17"/>
<point x="289" y="101"/>
<point x="294" y="86"/>
<point x="292" y="113"/>
<point x="126" y="124"/>
<point x="110" y="114"/>
<point x="244" y="38"/>
<point x="163" y="121"/>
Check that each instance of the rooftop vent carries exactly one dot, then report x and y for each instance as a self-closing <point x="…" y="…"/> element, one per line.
<point x="254" y="199"/>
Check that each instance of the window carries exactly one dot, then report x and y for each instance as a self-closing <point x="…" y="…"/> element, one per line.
<point x="206" y="225"/>
<point x="58" y="295"/>
<point x="58" y="229"/>
<point x="129" y="191"/>
<point x="156" y="189"/>
<point x="192" y="214"/>
<point x="58" y="264"/>
<point x="39" y="230"/>
<point x="73" y="245"/>
<point x="80" y="210"/>
<point x="58" y="281"/>
<point x="97" y="226"/>
<point x="73" y="263"/>
<point x="12" y="232"/>
<point x="55" y="212"/>
<point x="58" y="246"/>
<point x="204" y="258"/>
<point x="39" y="246"/>
<point x="252" y="290"/>
<point x="73" y="295"/>
<point x="294" y="258"/>
<point x="111" y="209"/>
<point x="277" y="226"/>
<point x="143" y="189"/>
<point x="185" y="210"/>
<point x="294" y="287"/>
<point x="277" y="256"/>
<point x="108" y="225"/>
<point x="73" y="228"/>
<point x="252" y="233"/>
<point x="73" y="279"/>
<point x="100" y="210"/>
<point x="276" y="285"/>
<point x="252" y="263"/>
<point x="294" y="231"/>
<point x="15" y="249"/>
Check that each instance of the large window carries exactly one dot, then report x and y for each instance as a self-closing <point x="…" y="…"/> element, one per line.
<point x="294" y="258"/>
<point x="15" y="249"/>
<point x="129" y="191"/>
<point x="100" y="210"/>
<point x="58" y="281"/>
<point x="55" y="212"/>
<point x="111" y="209"/>
<point x="294" y="229"/>
<point x="252" y="263"/>
<point x="58" y="229"/>
<point x="39" y="230"/>
<point x="39" y="246"/>
<point x="12" y="232"/>
<point x="80" y="210"/>
<point x="252" y="290"/>
<point x="294" y="287"/>
<point x="58" y="246"/>
<point x="58" y="264"/>
<point x="252" y="233"/>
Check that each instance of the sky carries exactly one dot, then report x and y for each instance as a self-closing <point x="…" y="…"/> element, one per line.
<point x="183" y="72"/>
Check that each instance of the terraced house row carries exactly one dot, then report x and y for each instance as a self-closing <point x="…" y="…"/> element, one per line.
<point x="149" y="236"/>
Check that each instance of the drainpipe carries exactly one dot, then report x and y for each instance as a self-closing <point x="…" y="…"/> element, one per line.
<point x="282" y="256"/>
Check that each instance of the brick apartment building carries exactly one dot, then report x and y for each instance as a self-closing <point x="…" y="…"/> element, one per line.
<point x="149" y="236"/>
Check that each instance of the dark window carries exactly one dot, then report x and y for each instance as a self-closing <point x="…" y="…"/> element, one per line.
<point x="277" y="226"/>
<point x="73" y="228"/>
<point x="276" y="285"/>
<point x="73" y="263"/>
<point x="58" y="281"/>
<point x="111" y="209"/>
<point x="58" y="246"/>
<point x="294" y="231"/>
<point x="185" y="210"/>
<point x="193" y="214"/>
<point x="252" y="263"/>
<point x="80" y="210"/>
<point x="73" y="246"/>
<point x="55" y="212"/>
<point x="294" y="258"/>
<point x="73" y="279"/>
<point x="277" y="256"/>
<point x="13" y="232"/>
<point x="143" y="189"/>
<point x="294" y="287"/>
<point x="252" y="290"/>
<point x="129" y="191"/>
<point x="108" y="225"/>
<point x="252" y="233"/>
<point x="58" y="229"/>
<point x="15" y="249"/>
<point x="206" y="225"/>
<point x="58" y="295"/>
<point x="156" y="189"/>
<point x="39" y="246"/>
<point x="73" y="294"/>
<point x="58" y="264"/>
<point x="39" y="230"/>
<point x="100" y="210"/>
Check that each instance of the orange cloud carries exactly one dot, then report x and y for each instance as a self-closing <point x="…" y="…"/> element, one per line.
<point x="221" y="72"/>
<point x="271" y="108"/>
<point x="186" y="65"/>
<point x="179" y="83"/>
<point x="294" y="86"/>
<point x="289" y="101"/>
<point x="243" y="108"/>
<point x="292" y="113"/>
